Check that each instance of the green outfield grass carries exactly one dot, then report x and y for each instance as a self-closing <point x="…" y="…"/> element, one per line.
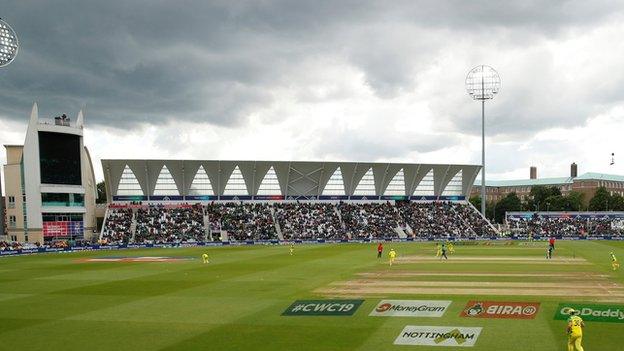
<point x="56" y="302"/>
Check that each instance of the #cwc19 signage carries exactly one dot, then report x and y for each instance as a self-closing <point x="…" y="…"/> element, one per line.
<point x="323" y="308"/>
<point x="63" y="228"/>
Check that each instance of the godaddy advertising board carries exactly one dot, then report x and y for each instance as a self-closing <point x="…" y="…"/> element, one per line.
<point x="592" y="312"/>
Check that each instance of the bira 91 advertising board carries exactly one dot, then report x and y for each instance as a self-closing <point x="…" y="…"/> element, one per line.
<point x="500" y="310"/>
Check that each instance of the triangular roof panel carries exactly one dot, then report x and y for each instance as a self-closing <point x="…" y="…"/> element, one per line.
<point x="366" y="186"/>
<point x="335" y="184"/>
<point x="201" y="184"/>
<point x="270" y="184"/>
<point x="236" y="184"/>
<point x="165" y="184"/>
<point x="128" y="184"/>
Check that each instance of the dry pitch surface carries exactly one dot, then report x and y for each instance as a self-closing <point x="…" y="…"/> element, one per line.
<point x="526" y="283"/>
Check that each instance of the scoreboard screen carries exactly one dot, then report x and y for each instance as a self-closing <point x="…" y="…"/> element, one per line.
<point x="59" y="158"/>
<point x="63" y="229"/>
<point x="68" y="225"/>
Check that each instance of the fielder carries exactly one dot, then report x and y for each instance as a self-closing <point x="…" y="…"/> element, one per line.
<point x="392" y="255"/>
<point x="443" y="252"/>
<point x="614" y="262"/>
<point x="205" y="258"/>
<point x="292" y="249"/>
<point x="451" y="248"/>
<point x="575" y="331"/>
<point x="549" y="253"/>
<point x="438" y="250"/>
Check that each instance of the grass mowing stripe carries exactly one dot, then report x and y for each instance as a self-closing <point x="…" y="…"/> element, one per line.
<point x="255" y="284"/>
<point x="390" y="283"/>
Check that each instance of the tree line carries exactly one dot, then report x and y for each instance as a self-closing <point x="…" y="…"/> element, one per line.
<point x="549" y="198"/>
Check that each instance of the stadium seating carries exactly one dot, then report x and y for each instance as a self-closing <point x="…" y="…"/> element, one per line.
<point x="117" y="226"/>
<point x="241" y="221"/>
<point x="370" y="220"/>
<point x="159" y="224"/>
<point x="309" y="221"/>
<point x="444" y="219"/>
<point x="473" y="220"/>
<point x="8" y="246"/>
<point x="566" y="227"/>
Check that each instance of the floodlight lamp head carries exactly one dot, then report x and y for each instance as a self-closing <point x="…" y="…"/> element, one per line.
<point x="8" y="44"/>
<point x="483" y="83"/>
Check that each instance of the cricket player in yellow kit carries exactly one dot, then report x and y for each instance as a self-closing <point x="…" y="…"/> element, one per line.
<point x="392" y="255"/>
<point x="614" y="262"/>
<point x="575" y="331"/>
<point x="205" y="258"/>
<point x="451" y="248"/>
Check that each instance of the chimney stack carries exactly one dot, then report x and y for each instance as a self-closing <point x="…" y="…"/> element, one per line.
<point x="533" y="172"/>
<point x="573" y="170"/>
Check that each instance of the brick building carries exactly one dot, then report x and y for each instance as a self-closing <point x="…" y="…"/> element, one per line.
<point x="586" y="183"/>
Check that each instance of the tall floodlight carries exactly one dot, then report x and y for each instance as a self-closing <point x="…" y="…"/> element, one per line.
<point x="482" y="83"/>
<point x="8" y="44"/>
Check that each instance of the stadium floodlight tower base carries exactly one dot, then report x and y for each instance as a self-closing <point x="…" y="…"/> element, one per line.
<point x="483" y="83"/>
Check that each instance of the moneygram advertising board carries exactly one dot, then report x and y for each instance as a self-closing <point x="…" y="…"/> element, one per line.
<point x="410" y="308"/>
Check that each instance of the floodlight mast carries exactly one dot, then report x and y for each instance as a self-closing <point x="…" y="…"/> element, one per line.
<point x="9" y="44"/>
<point x="482" y="83"/>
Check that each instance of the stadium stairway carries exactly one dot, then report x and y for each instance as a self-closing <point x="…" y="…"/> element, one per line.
<point x="409" y="230"/>
<point x="400" y="232"/>
<point x="134" y="224"/>
<point x="278" y="229"/>
<point x="342" y="224"/>
<point x="482" y="216"/>
<point x="398" y="229"/>
<point x="207" y="222"/>
<point x="207" y="233"/>
<point x="103" y="224"/>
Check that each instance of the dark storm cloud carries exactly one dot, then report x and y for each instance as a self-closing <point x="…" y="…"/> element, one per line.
<point x="351" y="145"/>
<point x="156" y="61"/>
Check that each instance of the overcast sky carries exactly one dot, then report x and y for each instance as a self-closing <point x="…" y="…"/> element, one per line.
<point x="325" y="80"/>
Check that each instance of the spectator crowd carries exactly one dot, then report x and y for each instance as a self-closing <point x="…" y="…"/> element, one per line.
<point x="370" y="220"/>
<point x="444" y="219"/>
<point x="241" y="221"/>
<point x="117" y="226"/>
<point x="309" y="221"/>
<point x="565" y="226"/>
<point x="160" y="224"/>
